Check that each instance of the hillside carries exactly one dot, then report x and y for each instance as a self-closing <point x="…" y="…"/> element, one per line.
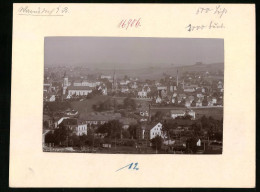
<point x="157" y="72"/>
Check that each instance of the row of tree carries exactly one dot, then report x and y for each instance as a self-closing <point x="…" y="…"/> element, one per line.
<point x="205" y="127"/>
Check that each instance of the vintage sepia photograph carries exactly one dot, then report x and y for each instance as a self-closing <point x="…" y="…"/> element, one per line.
<point x="133" y="95"/>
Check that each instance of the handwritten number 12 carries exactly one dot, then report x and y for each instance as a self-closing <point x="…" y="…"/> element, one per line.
<point x="135" y="167"/>
<point x="130" y="167"/>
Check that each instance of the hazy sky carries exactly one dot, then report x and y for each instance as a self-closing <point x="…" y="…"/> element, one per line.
<point x="131" y="51"/>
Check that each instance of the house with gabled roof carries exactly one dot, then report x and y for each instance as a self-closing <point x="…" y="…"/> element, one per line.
<point x="150" y="131"/>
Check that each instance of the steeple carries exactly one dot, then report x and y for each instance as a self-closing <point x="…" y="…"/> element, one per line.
<point x="114" y="86"/>
<point x="65" y="83"/>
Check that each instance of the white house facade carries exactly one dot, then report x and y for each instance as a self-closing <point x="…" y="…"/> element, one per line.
<point x="82" y="129"/>
<point x="79" y="90"/>
<point x="142" y="93"/>
<point x="156" y="130"/>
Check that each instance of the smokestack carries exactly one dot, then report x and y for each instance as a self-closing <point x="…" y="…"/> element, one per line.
<point x="149" y="113"/>
<point x="177" y="78"/>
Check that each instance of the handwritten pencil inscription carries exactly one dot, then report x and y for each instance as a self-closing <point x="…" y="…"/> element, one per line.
<point x="218" y="11"/>
<point x="43" y="11"/>
<point x="214" y="24"/>
<point x="211" y="25"/>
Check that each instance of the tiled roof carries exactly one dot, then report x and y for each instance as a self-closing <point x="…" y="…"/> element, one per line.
<point x="149" y="126"/>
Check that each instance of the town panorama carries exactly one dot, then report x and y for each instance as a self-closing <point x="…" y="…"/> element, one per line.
<point x="152" y="110"/>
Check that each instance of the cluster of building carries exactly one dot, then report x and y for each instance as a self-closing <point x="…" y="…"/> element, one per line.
<point x="70" y="89"/>
<point x="194" y="93"/>
<point x="172" y="92"/>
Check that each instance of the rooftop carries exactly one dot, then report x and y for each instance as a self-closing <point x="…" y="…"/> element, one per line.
<point x="79" y="88"/>
<point x="150" y="125"/>
<point x="69" y="122"/>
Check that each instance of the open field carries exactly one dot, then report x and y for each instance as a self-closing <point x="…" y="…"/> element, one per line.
<point x="84" y="107"/>
<point x="120" y="100"/>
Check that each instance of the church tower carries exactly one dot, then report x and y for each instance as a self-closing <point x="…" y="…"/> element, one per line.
<point x="114" y="85"/>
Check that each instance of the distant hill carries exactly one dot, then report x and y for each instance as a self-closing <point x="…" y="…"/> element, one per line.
<point x="203" y="67"/>
<point x="158" y="71"/>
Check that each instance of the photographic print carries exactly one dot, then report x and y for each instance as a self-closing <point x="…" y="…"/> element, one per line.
<point x="133" y="95"/>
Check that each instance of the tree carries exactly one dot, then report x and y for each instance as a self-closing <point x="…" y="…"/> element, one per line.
<point x="196" y="128"/>
<point x="57" y="106"/>
<point x="89" y="138"/>
<point x="129" y="103"/>
<point x="83" y="139"/>
<point x="204" y="121"/>
<point x="168" y="126"/>
<point x="97" y="92"/>
<point x="112" y="129"/>
<point x="104" y="105"/>
<point x="46" y="124"/>
<point x="193" y="104"/>
<point x="61" y="135"/>
<point x="205" y="102"/>
<point x="191" y="145"/>
<point x="182" y="103"/>
<point x="133" y="131"/>
<point x="49" y="138"/>
<point x="158" y="116"/>
<point x="157" y="142"/>
<point x="75" y="141"/>
<point x="126" y="134"/>
<point x="187" y="116"/>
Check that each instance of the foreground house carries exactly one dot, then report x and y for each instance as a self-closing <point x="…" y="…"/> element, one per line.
<point x="76" y="126"/>
<point x="150" y="131"/>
